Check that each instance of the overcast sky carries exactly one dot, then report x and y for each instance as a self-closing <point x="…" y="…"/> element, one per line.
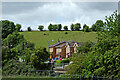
<point x="65" y="13"/>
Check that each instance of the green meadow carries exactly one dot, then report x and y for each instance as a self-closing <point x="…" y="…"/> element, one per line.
<point x="41" y="38"/>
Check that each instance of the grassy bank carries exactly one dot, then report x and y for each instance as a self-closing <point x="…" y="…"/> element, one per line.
<point x="40" y="38"/>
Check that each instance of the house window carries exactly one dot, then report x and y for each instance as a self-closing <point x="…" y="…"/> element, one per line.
<point x="51" y="49"/>
<point x="58" y="50"/>
<point x="67" y="49"/>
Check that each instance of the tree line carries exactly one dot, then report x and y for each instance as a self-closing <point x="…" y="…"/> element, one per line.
<point x="73" y="27"/>
<point x="52" y="27"/>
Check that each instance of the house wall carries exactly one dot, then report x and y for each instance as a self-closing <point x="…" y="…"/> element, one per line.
<point x="75" y="48"/>
<point x="54" y="52"/>
<point x="63" y="53"/>
<point x="60" y="43"/>
<point x="67" y="49"/>
<point x="64" y="50"/>
<point x="58" y="50"/>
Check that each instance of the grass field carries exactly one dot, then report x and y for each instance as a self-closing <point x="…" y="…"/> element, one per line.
<point x="40" y="38"/>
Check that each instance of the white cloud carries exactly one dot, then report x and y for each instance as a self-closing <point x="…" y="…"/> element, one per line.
<point x="65" y="13"/>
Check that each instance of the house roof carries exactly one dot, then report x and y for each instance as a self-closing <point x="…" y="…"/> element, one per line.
<point x="80" y="43"/>
<point x="71" y="43"/>
<point x="57" y="43"/>
<point x="61" y="45"/>
<point x="64" y="43"/>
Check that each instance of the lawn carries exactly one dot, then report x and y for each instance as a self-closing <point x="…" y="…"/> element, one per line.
<point x="40" y="38"/>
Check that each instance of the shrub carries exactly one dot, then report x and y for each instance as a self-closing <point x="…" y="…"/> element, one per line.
<point x="44" y="34"/>
<point x="58" y="62"/>
<point x="65" y="61"/>
<point x="29" y="29"/>
<point x="66" y="32"/>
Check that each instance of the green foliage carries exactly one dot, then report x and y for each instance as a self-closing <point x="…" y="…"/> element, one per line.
<point x="9" y="46"/>
<point x="66" y="28"/>
<point x="94" y="27"/>
<point x="50" y="27"/>
<point x="14" y="67"/>
<point x="97" y="26"/>
<point x="79" y="63"/>
<point x="25" y="54"/>
<point x="59" y="27"/>
<point x="40" y="27"/>
<point x="54" y="27"/>
<point x="13" y="39"/>
<point x="7" y="28"/>
<point x="72" y="27"/>
<point x="62" y="61"/>
<point x="8" y="54"/>
<point x="86" y="28"/>
<point x="18" y="27"/>
<point x="29" y="29"/>
<point x="77" y="27"/>
<point x="103" y="58"/>
<point x="58" y="62"/>
<point x="38" y="57"/>
<point x="65" y="60"/>
<point x="85" y="47"/>
<point x="15" y="47"/>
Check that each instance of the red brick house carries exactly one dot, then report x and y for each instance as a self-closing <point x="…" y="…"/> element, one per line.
<point x="64" y="49"/>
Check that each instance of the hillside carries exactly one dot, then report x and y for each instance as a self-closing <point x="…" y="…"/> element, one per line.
<point x="40" y="38"/>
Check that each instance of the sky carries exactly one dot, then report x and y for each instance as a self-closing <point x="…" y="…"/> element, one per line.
<point x="34" y="14"/>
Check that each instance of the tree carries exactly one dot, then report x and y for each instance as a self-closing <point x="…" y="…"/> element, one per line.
<point x="7" y="54"/>
<point x="50" y="27"/>
<point x="38" y="57"/>
<point x="13" y="39"/>
<point x="85" y="48"/>
<point x="29" y="29"/>
<point x="54" y="27"/>
<point x="79" y="63"/>
<point x="9" y="46"/>
<point x="40" y="27"/>
<point x="103" y="59"/>
<point x="94" y="27"/>
<point x="72" y="27"/>
<point x="18" y="27"/>
<point x="59" y="27"/>
<point x="13" y="67"/>
<point x="7" y="28"/>
<point x="97" y="26"/>
<point x="66" y="28"/>
<point x="77" y="26"/>
<point x="85" y="28"/>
